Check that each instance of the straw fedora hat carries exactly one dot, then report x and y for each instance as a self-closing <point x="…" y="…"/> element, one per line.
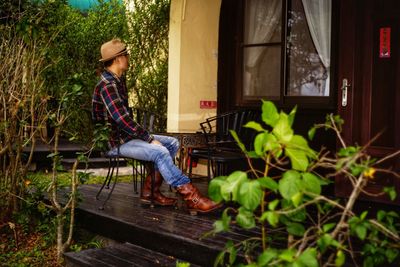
<point x="112" y="49"/>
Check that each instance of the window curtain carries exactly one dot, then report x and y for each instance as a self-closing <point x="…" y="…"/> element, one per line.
<point x="318" y="16"/>
<point x="263" y="18"/>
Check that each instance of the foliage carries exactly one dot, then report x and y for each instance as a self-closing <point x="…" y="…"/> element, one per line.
<point x="28" y="238"/>
<point x="287" y="193"/>
<point x="148" y="45"/>
<point x="73" y="52"/>
<point x="23" y="109"/>
<point x="50" y="54"/>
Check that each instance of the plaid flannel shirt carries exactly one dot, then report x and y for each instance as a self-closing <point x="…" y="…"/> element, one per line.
<point x="110" y="104"/>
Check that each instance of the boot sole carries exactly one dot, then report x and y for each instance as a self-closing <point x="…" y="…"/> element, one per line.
<point x="194" y="212"/>
<point x="148" y="202"/>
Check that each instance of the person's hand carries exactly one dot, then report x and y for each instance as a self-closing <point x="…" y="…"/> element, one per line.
<point x="155" y="142"/>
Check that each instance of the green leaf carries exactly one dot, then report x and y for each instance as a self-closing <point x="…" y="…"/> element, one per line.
<point x="391" y="254"/>
<point x="282" y="130"/>
<point x="298" y="159"/>
<point x="255" y="126"/>
<point x="325" y="241"/>
<point x="361" y="231"/>
<point x="348" y="151"/>
<point x="270" y="114"/>
<point x="219" y="226"/>
<point x="297" y="199"/>
<point x="381" y="214"/>
<point x="232" y="252"/>
<point x="223" y="225"/>
<point x="264" y="142"/>
<point x="82" y="157"/>
<point x="271" y="143"/>
<point x="297" y="216"/>
<point x="238" y="141"/>
<point x="288" y="255"/>
<point x="268" y="183"/>
<point x="230" y="189"/>
<point x="295" y="229"/>
<point x="290" y="184"/>
<point x="250" y="194"/>
<point x="51" y="155"/>
<point x="259" y="142"/>
<point x="266" y="257"/>
<point x="252" y="155"/>
<point x="214" y="188"/>
<point x="311" y="133"/>
<point x="364" y="215"/>
<point x="300" y="143"/>
<point x="340" y="258"/>
<point x="219" y="260"/>
<point x="391" y="191"/>
<point x="272" y="217"/>
<point x="327" y="227"/>
<point x="245" y="218"/>
<point x="298" y="151"/>
<point x="338" y="120"/>
<point x="292" y="115"/>
<point x="357" y="169"/>
<point x="308" y="258"/>
<point x="273" y="204"/>
<point x="312" y="183"/>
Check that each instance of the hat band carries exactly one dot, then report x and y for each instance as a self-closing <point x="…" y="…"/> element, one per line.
<point x="114" y="56"/>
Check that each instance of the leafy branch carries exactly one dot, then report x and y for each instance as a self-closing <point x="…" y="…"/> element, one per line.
<point x="319" y="230"/>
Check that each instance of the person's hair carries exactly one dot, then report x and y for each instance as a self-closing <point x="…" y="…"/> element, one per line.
<point x="108" y="63"/>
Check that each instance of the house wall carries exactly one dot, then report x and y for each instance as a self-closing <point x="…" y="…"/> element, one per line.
<point x="193" y="58"/>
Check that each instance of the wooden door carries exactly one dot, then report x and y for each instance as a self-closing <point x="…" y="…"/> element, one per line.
<point x="369" y="61"/>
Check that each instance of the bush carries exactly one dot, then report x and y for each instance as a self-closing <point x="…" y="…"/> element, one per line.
<point x="287" y="193"/>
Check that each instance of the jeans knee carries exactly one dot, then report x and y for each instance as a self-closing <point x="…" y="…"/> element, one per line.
<point x="176" y="144"/>
<point x="162" y="153"/>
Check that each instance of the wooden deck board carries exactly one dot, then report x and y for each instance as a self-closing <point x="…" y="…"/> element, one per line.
<point x="122" y="201"/>
<point x="162" y="228"/>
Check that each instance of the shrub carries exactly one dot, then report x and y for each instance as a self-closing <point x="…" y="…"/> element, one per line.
<point x="319" y="230"/>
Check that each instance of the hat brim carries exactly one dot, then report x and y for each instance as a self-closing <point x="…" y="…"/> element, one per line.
<point x="114" y="56"/>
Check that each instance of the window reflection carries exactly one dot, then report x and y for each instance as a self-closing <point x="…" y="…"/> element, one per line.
<point x="307" y="48"/>
<point x="308" y="74"/>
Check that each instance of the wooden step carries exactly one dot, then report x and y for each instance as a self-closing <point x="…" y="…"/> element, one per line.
<point x="119" y="255"/>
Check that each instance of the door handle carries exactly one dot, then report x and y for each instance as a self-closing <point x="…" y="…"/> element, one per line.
<point x="345" y="86"/>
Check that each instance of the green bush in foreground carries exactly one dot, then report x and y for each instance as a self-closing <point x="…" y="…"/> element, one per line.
<point x="319" y="231"/>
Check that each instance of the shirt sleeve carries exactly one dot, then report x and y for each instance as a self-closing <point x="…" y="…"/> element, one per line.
<point x="119" y="113"/>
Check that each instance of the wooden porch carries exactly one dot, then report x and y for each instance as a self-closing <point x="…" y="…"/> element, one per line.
<point x="149" y="236"/>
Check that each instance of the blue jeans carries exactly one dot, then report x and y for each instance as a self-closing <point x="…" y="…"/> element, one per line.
<point x="161" y="155"/>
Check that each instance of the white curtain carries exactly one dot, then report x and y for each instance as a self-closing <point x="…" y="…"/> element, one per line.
<point x="318" y="15"/>
<point x="262" y="21"/>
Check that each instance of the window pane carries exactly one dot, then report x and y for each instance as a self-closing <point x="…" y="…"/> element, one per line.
<point x="261" y="72"/>
<point x="262" y="21"/>
<point x="309" y="66"/>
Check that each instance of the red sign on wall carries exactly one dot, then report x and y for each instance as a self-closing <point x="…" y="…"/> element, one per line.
<point x="384" y="42"/>
<point x="208" y="104"/>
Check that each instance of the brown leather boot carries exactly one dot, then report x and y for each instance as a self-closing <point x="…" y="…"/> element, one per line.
<point x="195" y="201"/>
<point x="158" y="198"/>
